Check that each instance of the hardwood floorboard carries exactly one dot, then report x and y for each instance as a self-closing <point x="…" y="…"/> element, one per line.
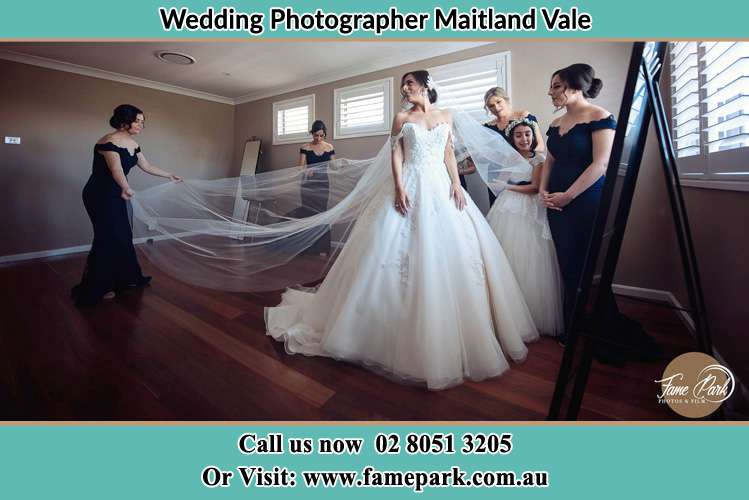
<point x="172" y="351"/>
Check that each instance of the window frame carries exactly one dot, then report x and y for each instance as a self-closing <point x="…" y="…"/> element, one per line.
<point x="502" y="62"/>
<point x="386" y="84"/>
<point x="296" y="138"/>
<point x="716" y="170"/>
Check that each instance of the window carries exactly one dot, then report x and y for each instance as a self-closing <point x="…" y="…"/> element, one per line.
<point x="463" y="84"/>
<point x="292" y="119"/>
<point x="363" y="110"/>
<point x="710" y="109"/>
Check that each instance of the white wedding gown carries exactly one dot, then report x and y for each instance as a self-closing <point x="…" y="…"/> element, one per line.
<point x="426" y="298"/>
<point x="520" y="224"/>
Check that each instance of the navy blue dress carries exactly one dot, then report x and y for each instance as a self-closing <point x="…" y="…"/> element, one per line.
<point x="315" y="189"/>
<point x="111" y="264"/>
<point x="571" y="227"/>
<point x="495" y="128"/>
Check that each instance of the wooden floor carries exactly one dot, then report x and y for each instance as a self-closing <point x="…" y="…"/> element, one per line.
<point x="176" y="352"/>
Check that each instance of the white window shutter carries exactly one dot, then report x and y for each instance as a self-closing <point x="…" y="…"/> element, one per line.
<point x="463" y="84"/>
<point x="292" y="119"/>
<point x="364" y="109"/>
<point x="710" y="109"/>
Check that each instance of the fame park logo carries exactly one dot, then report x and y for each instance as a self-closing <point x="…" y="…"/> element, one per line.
<point x="694" y="385"/>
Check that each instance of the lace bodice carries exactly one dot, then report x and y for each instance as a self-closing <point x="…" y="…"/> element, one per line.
<point x="425" y="146"/>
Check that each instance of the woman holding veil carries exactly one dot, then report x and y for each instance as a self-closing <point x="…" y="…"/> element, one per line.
<point x="315" y="186"/>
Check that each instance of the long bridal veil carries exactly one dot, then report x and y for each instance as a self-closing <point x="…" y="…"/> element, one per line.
<point x="257" y="233"/>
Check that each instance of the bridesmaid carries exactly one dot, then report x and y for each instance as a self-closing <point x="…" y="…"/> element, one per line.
<point x="316" y="185"/>
<point x="112" y="265"/>
<point x="579" y="145"/>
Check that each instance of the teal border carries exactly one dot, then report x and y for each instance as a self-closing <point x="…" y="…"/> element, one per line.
<point x="164" y="461"/>
<point x="633" y="19"/>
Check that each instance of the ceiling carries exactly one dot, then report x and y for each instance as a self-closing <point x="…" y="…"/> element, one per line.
<point x="231" y="72"/>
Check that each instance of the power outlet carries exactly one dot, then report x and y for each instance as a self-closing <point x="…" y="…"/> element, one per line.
<point x="12" y="140"/>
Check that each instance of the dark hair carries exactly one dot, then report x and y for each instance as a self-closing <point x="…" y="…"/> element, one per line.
<point x="422" y="76"/>
<point x="511" y="137"/>
<point x="580" y="76"/>
<point x="124" y="114"/>
<point x="318" y="125"/>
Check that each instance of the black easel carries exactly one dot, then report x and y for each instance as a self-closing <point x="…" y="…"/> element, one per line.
<point x="642" y="82"/>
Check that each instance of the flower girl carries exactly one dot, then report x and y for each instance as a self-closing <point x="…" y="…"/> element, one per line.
<point x="518" y="218"/>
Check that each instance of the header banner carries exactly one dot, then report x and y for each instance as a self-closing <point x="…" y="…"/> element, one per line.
<point x="148" y="19"/>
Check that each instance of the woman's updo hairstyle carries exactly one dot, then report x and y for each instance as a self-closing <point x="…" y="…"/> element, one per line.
<point x="124" y="115"/>
<point x="318" y="125"/>
<point x="581" y="77"/>
<point x="422" y="76"/>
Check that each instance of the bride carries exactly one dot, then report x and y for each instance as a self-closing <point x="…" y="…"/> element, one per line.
<point x="422" y="291"/>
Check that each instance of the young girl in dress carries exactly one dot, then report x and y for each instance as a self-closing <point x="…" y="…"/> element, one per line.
<point x="518" y="219"/>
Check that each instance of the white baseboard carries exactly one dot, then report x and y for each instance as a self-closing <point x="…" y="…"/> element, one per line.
<point x="56" y="252"/>
<point x="738" y="405"/>
<point x="660" y="296"/>
<point x="20" y="257"/>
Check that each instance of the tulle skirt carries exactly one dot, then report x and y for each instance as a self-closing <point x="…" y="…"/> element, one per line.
<point x="520" y="224"/>
<point x="429" y="298"/>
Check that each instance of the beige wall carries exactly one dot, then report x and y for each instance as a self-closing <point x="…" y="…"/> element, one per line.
<point x="531" y="68"/>
<point x="59" y="116"/>
<point x="650" y="251"/>
<point x="722" y="247"/>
